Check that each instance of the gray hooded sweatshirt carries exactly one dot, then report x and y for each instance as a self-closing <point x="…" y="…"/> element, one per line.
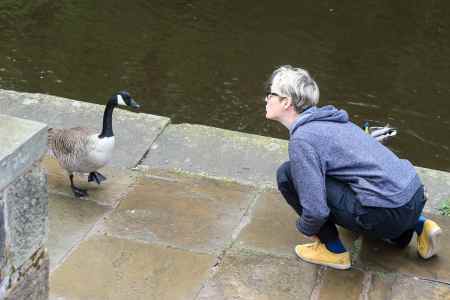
<point x="323" y="142"/>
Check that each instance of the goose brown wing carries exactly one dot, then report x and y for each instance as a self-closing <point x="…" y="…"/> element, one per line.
<point x="70" y="141"/>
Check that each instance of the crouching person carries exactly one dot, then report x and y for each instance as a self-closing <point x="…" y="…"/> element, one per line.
<point x="338" y="174"/>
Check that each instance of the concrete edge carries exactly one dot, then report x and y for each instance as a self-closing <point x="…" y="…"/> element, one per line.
<point x="17" y="161"/>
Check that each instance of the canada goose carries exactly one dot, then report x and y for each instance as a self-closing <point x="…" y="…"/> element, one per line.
<point x="82" y="150"/>
<point x="380" y="133"/>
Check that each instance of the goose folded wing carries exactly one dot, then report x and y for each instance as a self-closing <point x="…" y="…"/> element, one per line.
<point x="69" y="141"/>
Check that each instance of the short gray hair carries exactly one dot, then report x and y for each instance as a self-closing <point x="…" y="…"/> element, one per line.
<point x="296" y="83"/>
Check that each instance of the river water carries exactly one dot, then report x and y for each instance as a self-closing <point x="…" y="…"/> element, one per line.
<point x="206" y="61"/>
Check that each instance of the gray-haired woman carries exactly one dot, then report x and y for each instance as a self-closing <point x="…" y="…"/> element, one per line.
<point x="337" y="174"/>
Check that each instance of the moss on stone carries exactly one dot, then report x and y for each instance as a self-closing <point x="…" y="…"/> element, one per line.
<point x="445" y="208"/>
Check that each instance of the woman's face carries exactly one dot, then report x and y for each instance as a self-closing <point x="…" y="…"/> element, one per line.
<point x="274" y="106"/>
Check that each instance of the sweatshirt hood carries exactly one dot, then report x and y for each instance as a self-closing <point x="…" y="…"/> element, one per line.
<point x="326" y="113"/>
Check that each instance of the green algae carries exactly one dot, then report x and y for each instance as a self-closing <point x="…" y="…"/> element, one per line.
<point x="445" y="208"/>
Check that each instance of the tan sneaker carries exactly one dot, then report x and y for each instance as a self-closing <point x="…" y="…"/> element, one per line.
<point x="317" y="253"/>
<point x="428" y="240"/>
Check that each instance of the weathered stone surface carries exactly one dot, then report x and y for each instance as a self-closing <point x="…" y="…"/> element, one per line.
<point x="2" y="234"/>
<point x="258" y="277"/>
<point x="69" y="221"/>
<point x="413" y="288"/>
<point x="22" y="143"/>
<point x="26" y="202"/>
<point x="184" y="211"/>
<point x="109" y="268"/>
<point x="379" y="256"/>
<point x="108" y="193"/>
<point x="437" y="184"/>
<point x="65" y="113"/>
<point x="33" y="283"/>
<point x="271" y="227"/>
<point x="242" y="157"/>
<point x="390" y="286"/>
<point x="339" y="284"/>
<point x="380" y="286"/>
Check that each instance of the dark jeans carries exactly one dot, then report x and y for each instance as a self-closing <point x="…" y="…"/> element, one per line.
<point x="396" y="224"/>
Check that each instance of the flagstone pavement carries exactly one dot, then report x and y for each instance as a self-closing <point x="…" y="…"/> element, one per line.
<point x="160" y="234"/>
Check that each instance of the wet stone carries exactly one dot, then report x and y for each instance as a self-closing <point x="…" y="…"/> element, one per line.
<point x="70" y="220"/>
<point x="255" y="277"/>
<point x="271" y="227"/>
<point x="184" y="211"/>
<point x="380" y="286"/>
<point x="108" y="193"/>
<point x="379" y="256"/>
<point x="340" y="284"/>
<point x="116" y="269"/>
<point x="398" y="287"/>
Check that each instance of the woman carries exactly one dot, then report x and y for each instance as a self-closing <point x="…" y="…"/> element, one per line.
<point x="337" y="174"/>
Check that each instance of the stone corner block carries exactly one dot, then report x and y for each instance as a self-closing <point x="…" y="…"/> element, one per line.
<point x="22" y="143"/>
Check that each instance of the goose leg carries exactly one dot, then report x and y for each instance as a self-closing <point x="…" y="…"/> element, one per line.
<point x="97" y="177"/>
<point x="77" y="191"/>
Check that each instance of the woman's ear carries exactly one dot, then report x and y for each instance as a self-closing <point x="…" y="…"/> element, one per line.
<point x="287" y="103"/>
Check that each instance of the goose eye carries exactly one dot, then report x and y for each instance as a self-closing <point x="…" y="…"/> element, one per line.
<point x="120" y="100"/>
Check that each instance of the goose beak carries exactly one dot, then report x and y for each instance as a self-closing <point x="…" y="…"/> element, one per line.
<point x="134" y="104"/>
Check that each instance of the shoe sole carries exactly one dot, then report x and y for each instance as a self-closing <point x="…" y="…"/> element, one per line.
<point x="433" y="239"/>
<point x="335" y="266"/>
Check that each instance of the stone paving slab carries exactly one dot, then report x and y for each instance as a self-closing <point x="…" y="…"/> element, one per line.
<point x="437" y="184"/>
<point x="397" y="287"/>
<point x="390" y="286"/>
<point x="61" y="112"/>
<point x="379" y="256"/>
<point x="108" y="193"/>
<point x="218" y="153"/>
<point x="260" y="277"/>
<point x="271" y="228"/>
<point x="70" y="220"/>
<point x="117" y="269"/>
<point x="338" y="284"/>
<point x="187" y="212"/>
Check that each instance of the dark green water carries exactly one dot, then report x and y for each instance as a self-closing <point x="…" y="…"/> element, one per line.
<point x="206" y="62"/>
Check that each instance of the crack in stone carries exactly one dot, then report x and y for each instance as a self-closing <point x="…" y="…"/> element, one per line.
<point x="366" y="285"/>
<point x="315" y="294"/>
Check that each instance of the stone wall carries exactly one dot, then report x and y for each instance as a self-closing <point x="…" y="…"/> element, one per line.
<point x="24" y="263"/>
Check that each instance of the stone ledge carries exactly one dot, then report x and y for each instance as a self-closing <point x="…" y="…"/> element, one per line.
<point x="23" y="143"/>
<point x="218" y="153"/>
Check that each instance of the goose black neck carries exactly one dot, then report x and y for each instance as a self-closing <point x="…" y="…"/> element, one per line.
<point x="107" y="130"/>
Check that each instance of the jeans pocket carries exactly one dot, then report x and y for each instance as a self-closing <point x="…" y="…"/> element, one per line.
<point x="364" y="218"/>
<point x="365" y="223"/>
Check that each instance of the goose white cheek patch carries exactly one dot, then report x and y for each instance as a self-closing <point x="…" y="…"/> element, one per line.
<point x="120" y="100"/>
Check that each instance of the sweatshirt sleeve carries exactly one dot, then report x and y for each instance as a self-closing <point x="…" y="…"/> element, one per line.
<point x="309" y="179"/>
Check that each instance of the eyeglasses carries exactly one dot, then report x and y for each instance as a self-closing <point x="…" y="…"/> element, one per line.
<point x="271" y="94"/>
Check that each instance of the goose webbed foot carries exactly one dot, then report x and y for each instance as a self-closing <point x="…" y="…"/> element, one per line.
<point x="79" y="192"/>
<point x="76" y="190"/>
<point x="96" y="176"/>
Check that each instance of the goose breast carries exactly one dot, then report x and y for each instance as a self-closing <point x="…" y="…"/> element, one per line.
<point x="99" y="152"/>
